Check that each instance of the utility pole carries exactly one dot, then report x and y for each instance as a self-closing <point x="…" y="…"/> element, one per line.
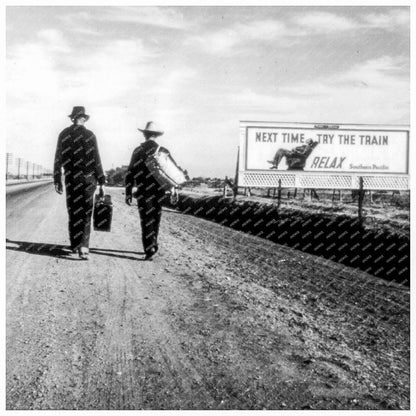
<point x="9" y="161"/>
<point x="19" y="165"/>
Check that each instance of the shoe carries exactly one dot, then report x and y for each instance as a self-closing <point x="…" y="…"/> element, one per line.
<point x="150" y="253"/>
<point x="72" y="248"/>
<point x="273" y="167"/>
<point x="83" y="253"/>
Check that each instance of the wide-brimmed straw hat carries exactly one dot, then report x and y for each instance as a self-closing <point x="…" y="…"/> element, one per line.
<point x="151" y="127"/>
<point x="78" y="111"/>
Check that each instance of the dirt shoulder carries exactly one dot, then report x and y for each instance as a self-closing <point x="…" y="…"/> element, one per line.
<point x="219" y="320"/>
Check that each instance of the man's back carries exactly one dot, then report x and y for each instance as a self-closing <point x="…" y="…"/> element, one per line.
<point x="138" y="173"/>
<point x="77" y="153"/>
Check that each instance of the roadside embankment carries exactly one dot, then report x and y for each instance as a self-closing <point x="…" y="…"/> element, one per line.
<point x="21" y="187"/>
<point x="340" y="238"/>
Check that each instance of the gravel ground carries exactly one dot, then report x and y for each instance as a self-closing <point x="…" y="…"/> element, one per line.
<point x="218" y="320"/>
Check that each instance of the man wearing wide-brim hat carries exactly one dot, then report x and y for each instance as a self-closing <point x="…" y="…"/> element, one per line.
<point x="77" y="153"/>
<point x="149" y="192"/>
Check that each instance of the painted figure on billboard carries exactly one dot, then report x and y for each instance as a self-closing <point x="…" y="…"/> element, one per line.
<point x="295" y="158"/>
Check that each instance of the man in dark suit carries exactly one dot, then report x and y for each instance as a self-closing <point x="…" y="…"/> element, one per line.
<point x="77" y="153"/>
<point x="149" y="193"/>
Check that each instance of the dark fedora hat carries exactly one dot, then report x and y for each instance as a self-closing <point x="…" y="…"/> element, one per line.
<point x="78" y="112"/>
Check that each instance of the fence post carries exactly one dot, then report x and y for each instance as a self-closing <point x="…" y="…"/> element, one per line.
<point x="279" y="193"/>
<point x="360" y="200"/>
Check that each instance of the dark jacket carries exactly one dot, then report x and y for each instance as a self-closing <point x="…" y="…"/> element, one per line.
<point x="77" y="152"/>
<point x="139" y="175"/>
<point x="303" y="151"/>
<point x="296" y="159"/>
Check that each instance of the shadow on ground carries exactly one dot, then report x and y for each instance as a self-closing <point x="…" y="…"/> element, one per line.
<point x="64" y="252"/>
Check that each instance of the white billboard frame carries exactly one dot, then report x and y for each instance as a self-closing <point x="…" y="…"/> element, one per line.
<point x="267" y="178"/>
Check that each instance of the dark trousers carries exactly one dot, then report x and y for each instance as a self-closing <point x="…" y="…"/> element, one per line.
<point x="150" y="211"/>
<point x="79" y="203"/>
<point x="280" y="154"/>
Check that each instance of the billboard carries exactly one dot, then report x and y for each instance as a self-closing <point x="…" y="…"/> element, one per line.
<point x="319" y="149"/>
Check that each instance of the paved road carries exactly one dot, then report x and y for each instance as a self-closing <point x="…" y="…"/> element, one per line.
<point x="219" y="320"/>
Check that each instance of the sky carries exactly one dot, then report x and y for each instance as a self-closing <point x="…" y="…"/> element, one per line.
<point x="197" y="71"/>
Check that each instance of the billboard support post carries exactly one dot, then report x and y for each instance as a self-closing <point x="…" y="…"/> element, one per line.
<point x="235" y="188"/>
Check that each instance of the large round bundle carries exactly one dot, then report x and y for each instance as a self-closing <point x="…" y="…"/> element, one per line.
<point x="167" y="173"/>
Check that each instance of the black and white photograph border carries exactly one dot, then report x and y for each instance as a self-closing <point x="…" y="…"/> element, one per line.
<point x="208" y="206"/>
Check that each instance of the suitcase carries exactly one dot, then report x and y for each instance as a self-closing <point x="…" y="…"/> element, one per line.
<point x="103" y="213"/>
<point x="166" y="172"/>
